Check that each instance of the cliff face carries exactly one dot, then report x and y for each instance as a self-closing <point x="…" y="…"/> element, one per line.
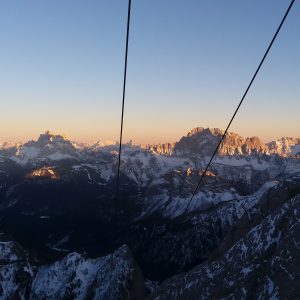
<point x="161" y="149"/>
<point x="204" y="141"/>
<point x="285" y="147"/>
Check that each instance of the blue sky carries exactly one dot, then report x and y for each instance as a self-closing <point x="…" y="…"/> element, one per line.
<point x="61" y="68"/>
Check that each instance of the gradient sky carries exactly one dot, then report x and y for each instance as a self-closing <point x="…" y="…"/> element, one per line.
<point x="61" y="68"/>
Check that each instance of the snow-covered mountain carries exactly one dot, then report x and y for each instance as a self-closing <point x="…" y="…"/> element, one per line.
<point x="57" y="198"/>
<point x="143" y="164"/>
<point x="164" y="175"/>
<point x="115" y="276"/>
<point x="285" y="147"/>
<point x="246" y="248"/>
<point x="258" y="259"/>
<point x="199" y="141"/>
<point x="48" y="147"/>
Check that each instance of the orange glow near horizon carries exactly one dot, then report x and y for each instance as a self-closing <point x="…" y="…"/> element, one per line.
<point x="62" y="70"/>
<point x="141" y="136"/>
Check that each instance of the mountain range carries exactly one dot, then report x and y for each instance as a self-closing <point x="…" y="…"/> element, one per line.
<point x="65" y="235"/>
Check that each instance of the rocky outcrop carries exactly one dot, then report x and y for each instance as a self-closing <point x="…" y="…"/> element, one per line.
<point x="285" y="146"/>
<point x="75" y="276"/>
<point x="161" y="149"/>
<point x="48" y="147"/>
<point x="267" y="204"/>
<point x="262" y="264"/>
<point x="16" y="270"/>
<point x="115" y="276"/>
<point x="203" y="141"/>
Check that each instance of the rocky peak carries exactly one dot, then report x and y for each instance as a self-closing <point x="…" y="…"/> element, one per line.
<point x="49" y="138"/>
<point x="285" y="146"/>
<point x="205" y="131"/>
<point x="52" y="142"/>
<point x="75" y="276"/>
<point x="48" y="147"/>
<point x="234" y="144"/>
<point x="203" y="141"/>
<point x="162" y="149"/>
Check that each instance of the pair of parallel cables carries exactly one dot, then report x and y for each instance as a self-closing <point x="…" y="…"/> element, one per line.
<point x="229" y="124"/>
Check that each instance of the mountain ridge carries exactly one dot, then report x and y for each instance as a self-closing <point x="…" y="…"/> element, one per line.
<point x="193" y="142"/>
<point x="58" y="199"/>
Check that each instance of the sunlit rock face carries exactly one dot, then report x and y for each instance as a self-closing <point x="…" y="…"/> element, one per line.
<point x="285" y="146"/>
<point x="162" y="149"/>
<point x="43" y="173"/>
<point x="203" y="141"/>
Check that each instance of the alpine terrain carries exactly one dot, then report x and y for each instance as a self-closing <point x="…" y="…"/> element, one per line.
<point x="65" y="235"/>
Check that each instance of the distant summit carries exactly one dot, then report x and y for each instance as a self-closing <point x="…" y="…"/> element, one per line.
<point x="285" y="146"/>
<point x="200" y="142"/>
<point x="202" y="130"/>
<point x="204" y="141"/>
<point x="48" y="137"/>
<point x="49" y="146"/>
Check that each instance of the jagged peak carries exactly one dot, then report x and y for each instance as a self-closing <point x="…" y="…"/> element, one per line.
<point x="286" y="140"/>
<point x="204" y="140"/>
<point x="50" y="137"/>
<point x="199" y="140"/>
<point x="213" y="131"/>
<point x="50" y="140"/>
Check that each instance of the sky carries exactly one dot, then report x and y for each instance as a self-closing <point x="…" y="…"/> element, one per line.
<point x="189" y="62"/>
